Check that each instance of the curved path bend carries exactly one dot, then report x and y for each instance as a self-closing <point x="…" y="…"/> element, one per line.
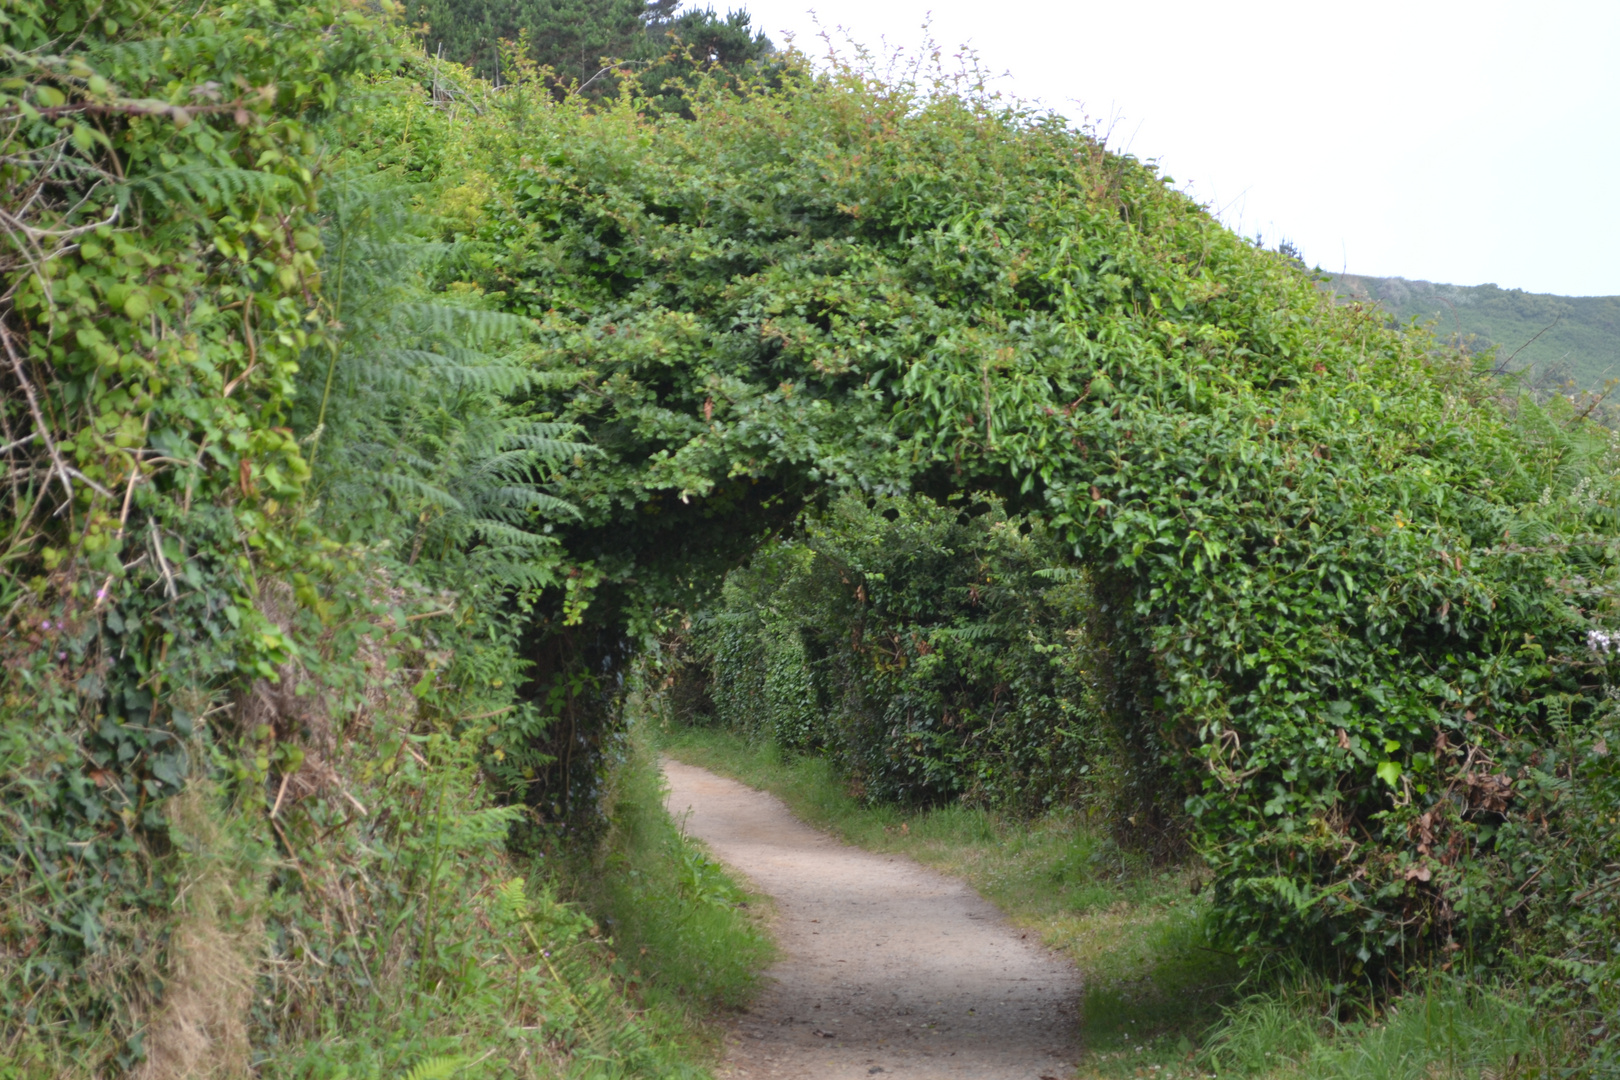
<point x="886" y="967"/>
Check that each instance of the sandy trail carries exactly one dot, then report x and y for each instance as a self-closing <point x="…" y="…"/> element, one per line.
<point x="886" y="967"/>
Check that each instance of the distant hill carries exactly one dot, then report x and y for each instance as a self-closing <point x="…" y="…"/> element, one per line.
<point x="1580" y="335"/>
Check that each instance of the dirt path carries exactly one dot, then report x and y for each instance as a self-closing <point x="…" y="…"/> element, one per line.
<point x="886" y="967"/>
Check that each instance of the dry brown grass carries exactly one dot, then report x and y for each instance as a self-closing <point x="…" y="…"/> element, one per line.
<point x="216" y="944"/>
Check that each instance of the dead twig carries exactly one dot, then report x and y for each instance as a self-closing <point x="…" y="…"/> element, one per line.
<point x="163" y="563"/>
<point x="281" y="794"/>
<point x="41" y="428"/>
<point x="1502" y="368"/>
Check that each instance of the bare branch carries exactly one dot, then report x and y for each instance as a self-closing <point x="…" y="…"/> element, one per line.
<point x="62" y="471"/>
<point x="1503" y="366"/>
<point x="56" y="234"/>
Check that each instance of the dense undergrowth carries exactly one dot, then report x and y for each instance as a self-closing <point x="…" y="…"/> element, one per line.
<point x="360" y="424"/>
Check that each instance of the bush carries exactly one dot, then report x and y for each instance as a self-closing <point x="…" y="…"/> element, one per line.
<point x="1340" y="570"/>
<point x="936" y="652"/>
<point x="259" y="556"/>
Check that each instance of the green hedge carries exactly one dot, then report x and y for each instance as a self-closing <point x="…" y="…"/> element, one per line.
<point x="1342" y="571"/>
<point x="935" y="653"/>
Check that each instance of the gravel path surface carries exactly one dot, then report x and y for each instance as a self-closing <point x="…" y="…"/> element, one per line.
<point x="886" y="967"/>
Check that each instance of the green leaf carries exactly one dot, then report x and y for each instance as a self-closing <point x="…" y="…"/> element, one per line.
<point x="1389" y="772"/>
<point x="424" y="685"/>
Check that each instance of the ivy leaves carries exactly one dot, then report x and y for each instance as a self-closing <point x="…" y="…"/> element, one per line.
<point x="158" y="181"/>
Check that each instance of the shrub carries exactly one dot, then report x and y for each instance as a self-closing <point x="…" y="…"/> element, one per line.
<point x="1339" y="568"/>
<point x="935" y="653"/>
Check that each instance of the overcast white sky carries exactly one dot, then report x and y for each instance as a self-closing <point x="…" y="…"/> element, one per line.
<point x="1457" y="142"/>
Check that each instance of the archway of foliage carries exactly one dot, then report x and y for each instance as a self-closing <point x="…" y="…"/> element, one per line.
<point x="1346" y="591"/>
<point x="935" y="652"/>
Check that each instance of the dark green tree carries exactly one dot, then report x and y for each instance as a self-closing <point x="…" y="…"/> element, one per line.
<point x="578" y="38"/>
<point x="697" y="39"/>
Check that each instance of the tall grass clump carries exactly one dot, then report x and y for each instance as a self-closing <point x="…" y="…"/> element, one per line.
<point x="1446" y="1027"/>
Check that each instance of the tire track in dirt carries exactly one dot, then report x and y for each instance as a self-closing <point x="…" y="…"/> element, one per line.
<point x="886" y="967"/>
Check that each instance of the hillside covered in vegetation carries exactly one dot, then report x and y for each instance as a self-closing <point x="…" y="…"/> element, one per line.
<point x="1568" y="342"/>
<point x="374" y="437"/>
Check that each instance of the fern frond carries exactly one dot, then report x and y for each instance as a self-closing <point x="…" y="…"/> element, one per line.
<point x="206" y="187"/>
<point x="502" y="573"/>
<point x="512" y="899"/>
<point x="552" y="380"/>
<point x="480" y="830"/>
<point x="497" y="532"/>
<point x="419" y="438"/>
<point x="553" y="449"/>
<point x="504" y="464"/>
<point x="467" y="324"/>
<point x="538" y="501"/>
<point x="405" y="484"/>
<point x="437" y="1068"/>
<point x="157" y="54"/>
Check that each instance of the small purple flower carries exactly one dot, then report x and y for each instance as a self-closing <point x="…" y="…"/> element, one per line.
<point x="61" y="656"/>
<point x="46" y="625"/>
<point x="101" y="594"/>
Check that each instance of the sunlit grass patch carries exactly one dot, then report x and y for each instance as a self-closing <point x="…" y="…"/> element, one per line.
<point x="1446" y="1029"/>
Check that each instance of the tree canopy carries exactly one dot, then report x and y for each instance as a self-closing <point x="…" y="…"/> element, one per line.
<point x="578" y="38"/>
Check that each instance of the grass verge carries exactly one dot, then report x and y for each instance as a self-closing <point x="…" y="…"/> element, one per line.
<point x="1162" y="1000"/>
<point x="689" y="941"/>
